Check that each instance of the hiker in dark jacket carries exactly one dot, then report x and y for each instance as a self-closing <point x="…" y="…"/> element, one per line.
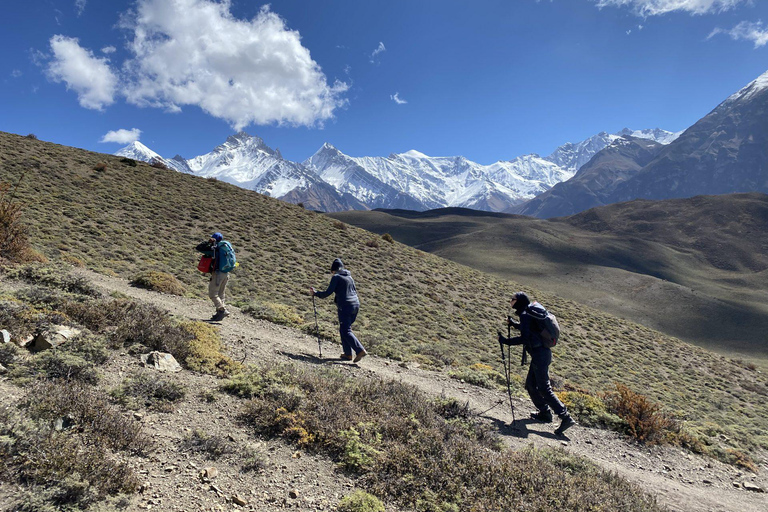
<point x="537" y="382"/>
<point x="347" y="305"/>
<point x="212" y="248"/>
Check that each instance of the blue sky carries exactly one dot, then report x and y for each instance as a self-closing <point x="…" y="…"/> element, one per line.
<point x="488" y="79"/>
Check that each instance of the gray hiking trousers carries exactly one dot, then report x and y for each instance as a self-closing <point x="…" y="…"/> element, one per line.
<point x="216" y="288"/>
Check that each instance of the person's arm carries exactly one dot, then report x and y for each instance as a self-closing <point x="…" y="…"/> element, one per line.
<point x="330" y="290"/>
<point x="205" y="248"/>
<point x="515" y="340"/>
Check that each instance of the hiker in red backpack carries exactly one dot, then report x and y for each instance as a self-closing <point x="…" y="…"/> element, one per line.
<point x="223" y="262"/>
<point x="537" y="382"/>
<point x="347" y="305"/>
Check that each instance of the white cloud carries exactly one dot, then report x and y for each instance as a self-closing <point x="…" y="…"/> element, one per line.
<point x="397" y="99"/>
<point x="90" y="77"/>
<point x="80" y="6"/>
<point x="195" y="52"/>
<point x="657" y="7"/>
<point x="378" y="50"/>
<point x="746" y="31"/>
<point x="16" y="73"/>
<point x="122" y="136"/>
<point x="108" y="49"/>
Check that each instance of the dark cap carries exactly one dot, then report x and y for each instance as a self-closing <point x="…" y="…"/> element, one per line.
<point x="337" y="265"/>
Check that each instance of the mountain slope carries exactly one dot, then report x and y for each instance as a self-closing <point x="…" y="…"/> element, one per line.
<point x="724" y="152"/>
<point x="694" y="268"/>
<point x="418" y="307"/>
<point x="595" y="181"/>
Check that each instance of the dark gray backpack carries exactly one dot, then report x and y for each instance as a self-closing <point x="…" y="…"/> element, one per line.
<point x="547" y="322"/>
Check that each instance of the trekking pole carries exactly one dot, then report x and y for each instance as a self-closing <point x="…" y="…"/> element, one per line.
<point x="317" y="328"/>
<point x="507" y="371"/>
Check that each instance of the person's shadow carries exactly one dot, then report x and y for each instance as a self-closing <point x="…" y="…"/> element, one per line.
<point x="520" y="429"/>
<point x="313" y="359"/>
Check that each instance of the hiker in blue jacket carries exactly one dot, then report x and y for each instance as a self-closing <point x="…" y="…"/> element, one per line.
<point x="213" y="248"/>
<point x="537" y="382"/>
<point x="347" y="305"/>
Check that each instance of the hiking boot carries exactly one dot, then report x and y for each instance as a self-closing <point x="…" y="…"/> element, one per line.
<point x="216" y="316"/>
<point x="566" y="423"/>
<point x="359" y="356"/>
<point x="542" y="416"/>
<point x="345" y="357"/>
<point x="224" y="314"/>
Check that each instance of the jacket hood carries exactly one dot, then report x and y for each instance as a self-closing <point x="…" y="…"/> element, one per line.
<point x="343" y="272"/>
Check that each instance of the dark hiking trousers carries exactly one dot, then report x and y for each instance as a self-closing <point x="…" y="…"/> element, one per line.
<point x="537" y="383"/>
<point x="349" y="342"/>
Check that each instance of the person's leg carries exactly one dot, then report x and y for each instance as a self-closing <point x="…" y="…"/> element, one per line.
<point x="221" y="293"/>
<point x="345" y="329"/>
<point x="543" y="414"/>
<point x="540" y="369"/>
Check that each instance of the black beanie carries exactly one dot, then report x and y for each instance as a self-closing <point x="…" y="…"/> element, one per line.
<point x="337" y="265"/>
<point x="522" y="301"/>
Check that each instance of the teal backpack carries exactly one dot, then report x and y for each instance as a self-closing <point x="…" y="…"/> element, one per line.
<point x="227" y="255"/>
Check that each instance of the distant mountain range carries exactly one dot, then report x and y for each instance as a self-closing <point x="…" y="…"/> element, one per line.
<point x="724" y="152"/>
<point x="331" y="181"/>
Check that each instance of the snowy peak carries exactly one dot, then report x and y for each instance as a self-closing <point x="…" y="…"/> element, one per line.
<point x="754" y="87"/>
<point x="138" y="151"/>
<point x="656" y="134"/>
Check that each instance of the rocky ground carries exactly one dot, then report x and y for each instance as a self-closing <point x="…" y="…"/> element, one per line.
<point x="176" y="480"/>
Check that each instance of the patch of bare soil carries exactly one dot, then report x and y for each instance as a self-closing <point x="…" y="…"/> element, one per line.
<point x="301" y="481"/>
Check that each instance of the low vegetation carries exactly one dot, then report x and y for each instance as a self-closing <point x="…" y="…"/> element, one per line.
<point x="415" y="306"/>
<point x="159" y="282"/>
<point x="423" y="455"/>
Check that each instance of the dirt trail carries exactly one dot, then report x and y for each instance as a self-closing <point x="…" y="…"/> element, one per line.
<point x="681" y="481"/>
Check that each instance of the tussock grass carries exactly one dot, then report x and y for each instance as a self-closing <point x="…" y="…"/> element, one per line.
<point x="421" y="454"/>
<point x="157" y="281"/>
<point x="415" y="306"/>
<point x="76" y="466"/>
<point x="147" y="388"/>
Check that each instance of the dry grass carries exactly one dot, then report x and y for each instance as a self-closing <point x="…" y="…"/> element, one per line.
<point x="421" y="454"/>
<point x="445" y="314"/>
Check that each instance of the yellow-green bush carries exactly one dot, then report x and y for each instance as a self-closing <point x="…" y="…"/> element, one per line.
<point x="360" y="501"/>
<point x="159" y="282"/>
<point x="205" y="352"/>
<point x="274" y="312"/>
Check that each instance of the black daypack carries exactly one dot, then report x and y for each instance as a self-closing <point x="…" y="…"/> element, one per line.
<point x="547" y="322"/>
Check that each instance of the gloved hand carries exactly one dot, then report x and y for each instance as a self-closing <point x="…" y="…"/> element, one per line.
<point x="502" y="339"/>
<point x="513" y="323"/>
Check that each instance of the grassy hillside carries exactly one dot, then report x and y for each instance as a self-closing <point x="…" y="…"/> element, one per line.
<point x="122" y="219"/>
<point x="694" y="268"/>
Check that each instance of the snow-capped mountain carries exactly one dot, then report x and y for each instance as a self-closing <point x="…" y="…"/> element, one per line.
<point x="573" y="156"/>
<point x="246" y="161"/>
<point x="416" y="181"/>
<point x="138" y="151"/>
<point x="331" y="181"/>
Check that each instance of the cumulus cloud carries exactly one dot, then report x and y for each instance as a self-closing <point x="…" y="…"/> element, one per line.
<point x="195" y="52"/>
<point x="658" y="7"/>
<point x="89" y="76"/>
<point x="378" y="50"/>
<point x="16" y="73"/>
<point x="746" y="31"/>
<point x="108" y="49"/>
<point x="397" y="99"/>
<point x="122" y="136"/>
<point x="80" y="6"/>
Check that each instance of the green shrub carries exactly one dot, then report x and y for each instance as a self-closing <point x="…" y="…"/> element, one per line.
<point x="276" y="313"/>
<point x="205" y="353"/>
<point x="373" y="242"/>
<point x="128" y="161"/>
<point x="388" y="238"/>
<point x="8" y="354"/>
<point x="591" y="410"/>
<point x="147" y="388"/>
<point x="159" y="282"/>
<point x="480" y="374"/>
<point x="54" y="277"/>
<point x="210" y="445"/>
<point x="55" y="364"/>
<point x="360" y="501"/>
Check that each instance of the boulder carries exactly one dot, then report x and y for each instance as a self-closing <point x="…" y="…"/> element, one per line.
<point x="51" y="337"/>
<point x="3" y="369"/>
<point x="160" y="361"/>
<point x="5" y="336"/>
<point x="752" y="487"/>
